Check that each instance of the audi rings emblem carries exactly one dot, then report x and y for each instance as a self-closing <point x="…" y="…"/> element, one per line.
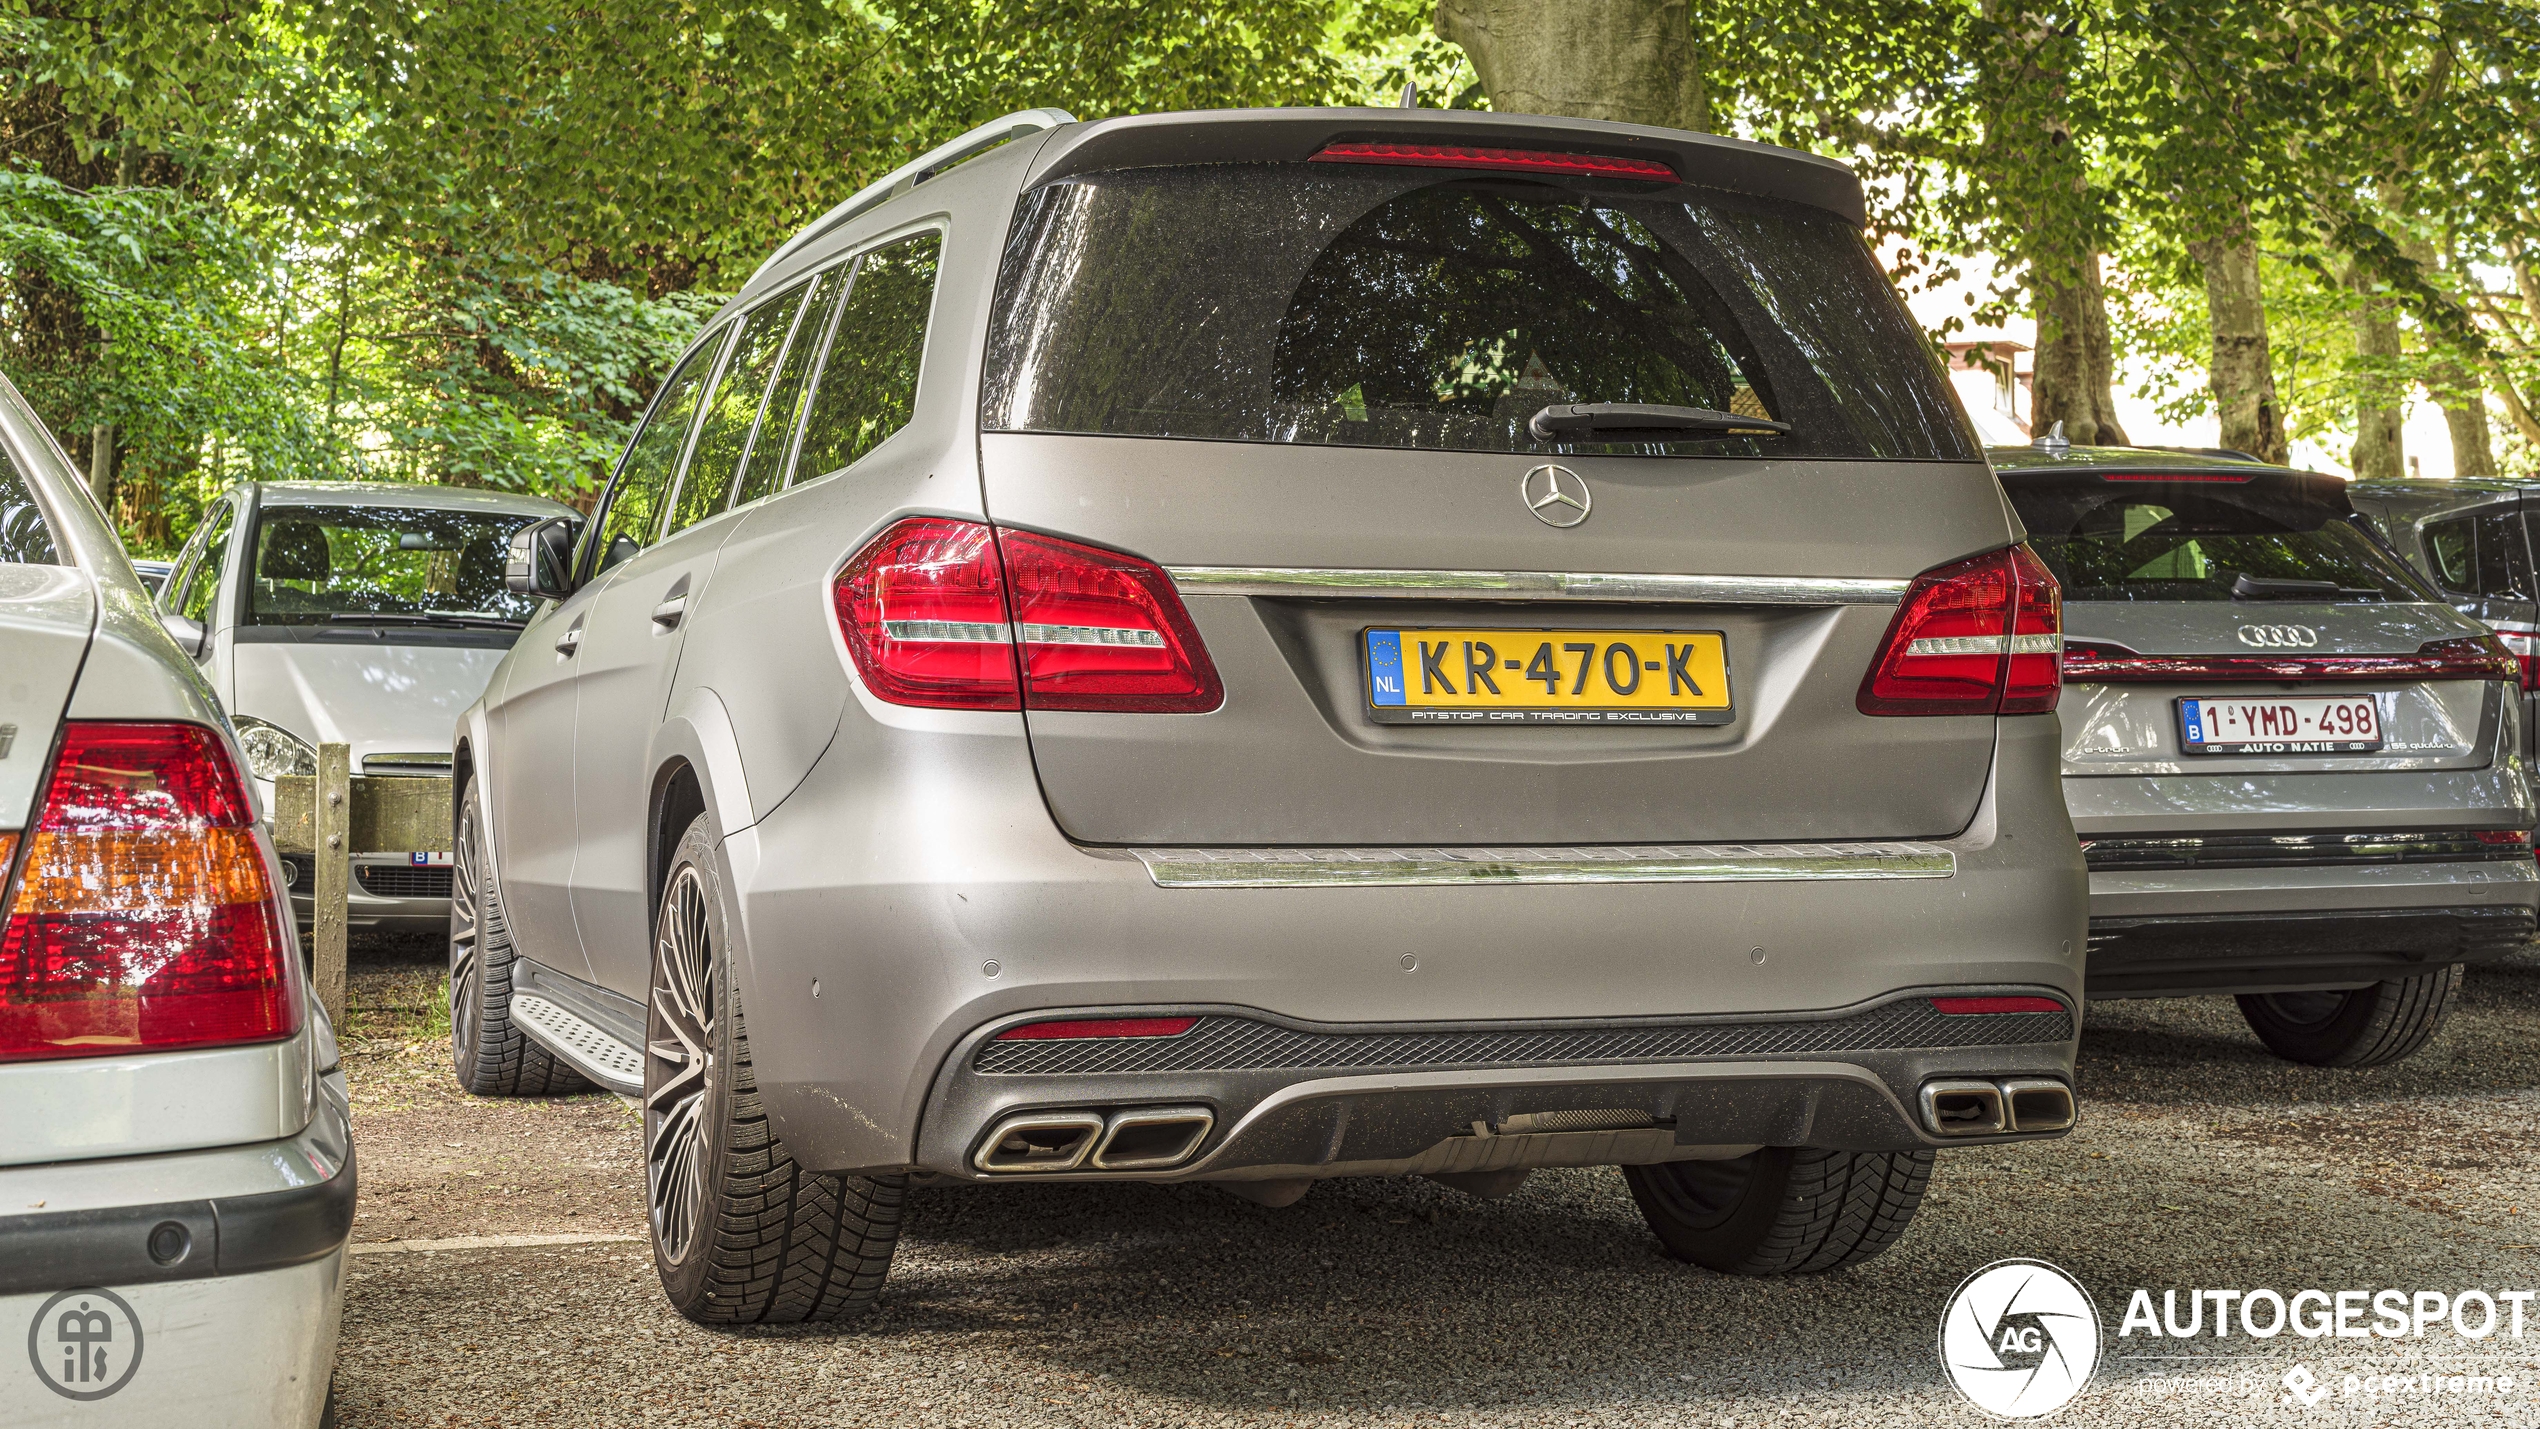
<point x="2279" y="637"/>
<point x="1557" y="495"/>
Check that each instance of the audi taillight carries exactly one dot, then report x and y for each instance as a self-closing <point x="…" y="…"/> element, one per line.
<point x="2525" y="648"/>
<point x="1980" y="636"/>
<point x="951" y="614"/>
<point x="144" y="919"/>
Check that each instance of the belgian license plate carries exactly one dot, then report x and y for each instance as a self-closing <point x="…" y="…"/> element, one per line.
<point x="2266" y="724"/>
<point x="1548" y="677"/>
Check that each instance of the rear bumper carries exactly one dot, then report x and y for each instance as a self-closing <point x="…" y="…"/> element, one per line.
<point x="237" y="1327"/>
<point x="892" y="911"/>
<point x="2195" y="954"/>
<point x="1285" y="1098"/>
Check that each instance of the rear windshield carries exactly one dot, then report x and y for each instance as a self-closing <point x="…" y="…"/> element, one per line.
<point x="25" y="540"/>
<point x="2174" y="541"/>
<point x="383" y="565"/>
<point x="1366" y="306"/>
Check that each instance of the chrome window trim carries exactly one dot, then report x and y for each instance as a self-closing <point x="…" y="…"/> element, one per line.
<point x="1533" y="585"/>
<point x="1619" y="863"/>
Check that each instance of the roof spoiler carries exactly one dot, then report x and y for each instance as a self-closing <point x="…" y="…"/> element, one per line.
<point x="917" y="171"/>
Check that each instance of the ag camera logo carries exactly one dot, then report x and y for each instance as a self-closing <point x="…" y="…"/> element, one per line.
<point x="2019" y="1339"/>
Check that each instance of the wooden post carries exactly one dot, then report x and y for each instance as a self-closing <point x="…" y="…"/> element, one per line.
<point x="333" y="850"/>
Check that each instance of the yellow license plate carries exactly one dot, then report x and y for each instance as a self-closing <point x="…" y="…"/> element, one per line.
<point x="1548" y="677"/>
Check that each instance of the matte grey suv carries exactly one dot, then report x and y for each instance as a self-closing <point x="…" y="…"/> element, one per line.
<point x="1254" y="647"/>
<point x="2297" y="773"/>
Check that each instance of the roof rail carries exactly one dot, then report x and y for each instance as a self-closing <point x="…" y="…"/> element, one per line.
<point x="918" y="170"/>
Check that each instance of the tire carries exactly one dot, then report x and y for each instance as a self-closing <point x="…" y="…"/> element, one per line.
<point x="2365" y="1027"/>
<point x="741" y="1233"/>
<point x="1781" y="1210"/>
<point x="491" y="1057"/>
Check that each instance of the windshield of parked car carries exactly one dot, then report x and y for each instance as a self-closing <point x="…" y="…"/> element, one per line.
<point x="2207" y="541"/>
<point x="318" y="565"/>
<point x="1390" y="307"/>
<point x="25" y="539"/>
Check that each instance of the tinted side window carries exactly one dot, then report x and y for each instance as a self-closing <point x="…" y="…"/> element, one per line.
<point x="764" y="469"/>
<point x="2451" y="548"/>
<point x="25" y="539"/>
<point x="2504" y="565"/>
<point x="206" y="583"/>
<point x="634" y="512"/>
<point x="868" y="387"/>
<point x="732" y="412"/>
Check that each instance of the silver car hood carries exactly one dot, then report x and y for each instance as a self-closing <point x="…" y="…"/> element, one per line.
<point x="2240" y="627"/>
<point x="379" y="698"/>
<point x="46" y="616"/>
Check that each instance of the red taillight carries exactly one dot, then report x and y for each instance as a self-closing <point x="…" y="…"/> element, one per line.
<point x="931" y="615"/>
<point x="1099" y="1027"/>
<point x="923" y="609"/>
<point x="1103" y="631"/>
<point x="2520" y="838"/>
<point x="1466" y="156"/>
<point x="144" y="920"/>
<point x="2473" y="657"/>
<point x="2524" y="646"/>
<point x="1981" y="1006"/>
<point x="1981" y="636"/>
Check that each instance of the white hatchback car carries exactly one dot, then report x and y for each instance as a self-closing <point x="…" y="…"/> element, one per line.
<point x="176" y="1158"/>
<point x="365" y="613"/>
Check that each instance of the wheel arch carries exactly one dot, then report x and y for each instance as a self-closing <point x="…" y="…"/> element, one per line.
<point x="696" y="763"/>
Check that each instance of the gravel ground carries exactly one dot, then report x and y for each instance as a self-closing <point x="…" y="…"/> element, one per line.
<point x="2200" y="1162"/>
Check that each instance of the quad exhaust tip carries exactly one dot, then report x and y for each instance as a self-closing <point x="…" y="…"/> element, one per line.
<point x="2012" y="1105"/>
<point x="1140" y="1139"/>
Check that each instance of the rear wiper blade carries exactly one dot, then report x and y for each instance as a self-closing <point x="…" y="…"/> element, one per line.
<point x="2248" y="587"/>
<point x="386" y="617"/>
<point x="1642" y="422"/>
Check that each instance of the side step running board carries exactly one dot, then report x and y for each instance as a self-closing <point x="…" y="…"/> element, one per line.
<point x="581" y="1044"/>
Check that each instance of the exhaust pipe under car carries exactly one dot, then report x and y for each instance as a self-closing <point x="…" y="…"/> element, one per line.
<point x="1140" y="1139"/>
<point x="1040" y="1141"/>
<point x="2013" y="1105"/>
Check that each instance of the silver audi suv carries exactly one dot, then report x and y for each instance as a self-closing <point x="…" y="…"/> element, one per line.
<point x="1255" y="647"/>
<point x="2298" y="775"/>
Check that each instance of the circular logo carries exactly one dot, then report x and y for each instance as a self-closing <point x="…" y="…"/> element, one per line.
<point x="2279" y="637"/>
<point x="2019" y="1339"/>
<point x="1557" y="495"/>
<point x="85" y="1344"/>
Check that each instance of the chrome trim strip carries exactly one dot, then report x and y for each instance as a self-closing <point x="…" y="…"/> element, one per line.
<point x="1533" y="585"/>
<point x="1623" y="863"/>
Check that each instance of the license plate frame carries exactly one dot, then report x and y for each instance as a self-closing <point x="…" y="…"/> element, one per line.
<point x="2197" y="726"/>
<point x="1677" y="656"/>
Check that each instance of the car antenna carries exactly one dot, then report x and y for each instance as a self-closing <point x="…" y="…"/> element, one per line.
<point x="1411" y="94"/>
<point x="2054" y="440"/>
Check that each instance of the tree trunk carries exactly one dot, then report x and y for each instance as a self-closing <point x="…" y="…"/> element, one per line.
<point x="1630" y="61"/>
<point x="2465" y="412"/>
<point x="2076" y="364"/>
<point x="101" y="466"/>
<point x="2378" y="415"/>
<point x="2243" y="370"/>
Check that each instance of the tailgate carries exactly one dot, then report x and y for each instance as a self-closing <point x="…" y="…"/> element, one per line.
<point x="1295" y="756"/>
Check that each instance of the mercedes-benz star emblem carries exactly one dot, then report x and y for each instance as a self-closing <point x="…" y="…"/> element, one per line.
<point x="1557" y="495"/>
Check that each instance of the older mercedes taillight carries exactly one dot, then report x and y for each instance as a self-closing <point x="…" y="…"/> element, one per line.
<point x="144" y="919"/>
<point x="1979" y="636"/>
<point x="935" y="616"/>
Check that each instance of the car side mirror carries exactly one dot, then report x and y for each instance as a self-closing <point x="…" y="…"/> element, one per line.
<point x="187" y="632"/>
<point x="540" y="559"/>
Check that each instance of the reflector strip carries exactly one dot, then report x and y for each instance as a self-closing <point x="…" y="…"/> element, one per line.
<point x="1099" y="1027"/>
<point x="1461" y="156"/>
<point x="1089" y="635"/>
<point x="962" y="632"/>
<point x="1982" y="1006"/>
